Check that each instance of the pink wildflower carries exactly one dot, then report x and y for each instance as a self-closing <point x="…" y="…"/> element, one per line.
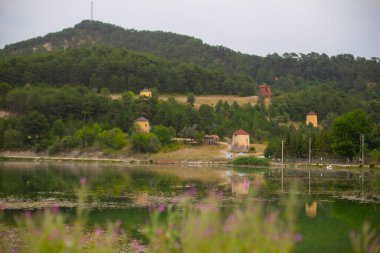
<point x="83" y="180"/>
<point x="138" y="246"/>
<point x="298" y="237"/>
<point x="159" y="231"/>
<point x="269" y="218"/>
<point x="192" y="191"/>
<point x="98" y="231"/>
<point x="161" y="208"/>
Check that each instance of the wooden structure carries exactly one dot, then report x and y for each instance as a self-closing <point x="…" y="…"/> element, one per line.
<point x="142" y="125"/>
<point x="211" y="139"/>
<point x="312" y="118"/>
<point x="146" y="93"/>
<point x="240" y="141"/>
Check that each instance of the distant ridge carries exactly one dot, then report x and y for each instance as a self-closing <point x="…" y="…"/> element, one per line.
<point x="289" y="72"/>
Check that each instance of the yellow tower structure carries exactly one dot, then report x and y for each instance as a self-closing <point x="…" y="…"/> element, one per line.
<point x="312" y="118"/>
<point x="240" y="141"/>
<point x="142" y="125"/>
<point x="146" y="93"/>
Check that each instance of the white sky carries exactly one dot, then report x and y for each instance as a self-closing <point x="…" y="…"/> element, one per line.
<point x="248" y="26"/>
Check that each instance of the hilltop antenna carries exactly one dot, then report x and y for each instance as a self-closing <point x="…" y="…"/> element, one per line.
<point x="92" y="10"/>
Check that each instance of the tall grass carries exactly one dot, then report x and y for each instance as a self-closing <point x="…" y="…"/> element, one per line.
<point x="180" y="227"/>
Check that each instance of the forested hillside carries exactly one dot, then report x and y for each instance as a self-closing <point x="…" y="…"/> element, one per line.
<point x="357" y="76"/>
<point x="119" y="70"/>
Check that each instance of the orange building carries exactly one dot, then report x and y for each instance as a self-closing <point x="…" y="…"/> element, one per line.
<point x="312" y="118"/>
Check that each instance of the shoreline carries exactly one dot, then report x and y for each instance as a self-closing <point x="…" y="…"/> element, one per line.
<point x="59" y="159"/>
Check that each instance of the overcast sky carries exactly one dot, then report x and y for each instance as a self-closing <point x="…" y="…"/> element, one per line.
<point x="248" y="26"/>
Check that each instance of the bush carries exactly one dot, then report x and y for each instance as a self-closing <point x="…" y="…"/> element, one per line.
<point x="164" y="134"/>
<point x="372" y="165"/>
<point x="145" y="143"/>
<point x="113" y="138"/>
<point x="251" y="160"/>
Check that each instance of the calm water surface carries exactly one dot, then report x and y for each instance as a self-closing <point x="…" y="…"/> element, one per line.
<point x="331" y="203"/>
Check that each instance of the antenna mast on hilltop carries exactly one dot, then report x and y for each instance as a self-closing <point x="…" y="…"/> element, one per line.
<point x="92" y="10"/>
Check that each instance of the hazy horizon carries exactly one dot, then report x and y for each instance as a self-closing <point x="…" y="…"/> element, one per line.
<point x="251" y="27"/>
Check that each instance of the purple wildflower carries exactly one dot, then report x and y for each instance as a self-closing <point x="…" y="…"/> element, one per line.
<point x="192" y="191"/>
<point x="269" y="218"/>
<point x="229" y="223"/>
<point x="83" y="180"/>
<point x="11" y="250"/>
<point x="159" y="231"/>
<point x="161" y="208"/>
<point x="175" y="200"/>
<point x="2" y="207"/>
<point x="98" y="231"/>
<point x="298" y="237"/>
<point x="138" y="246"/>
<point x="220" y="194"/>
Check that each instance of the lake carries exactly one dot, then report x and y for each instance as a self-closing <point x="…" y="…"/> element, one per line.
<point x="331" y="203"/>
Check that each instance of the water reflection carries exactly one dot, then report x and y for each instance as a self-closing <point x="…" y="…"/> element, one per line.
<point x="240" y="185"/>
<point x="311" y="209"/>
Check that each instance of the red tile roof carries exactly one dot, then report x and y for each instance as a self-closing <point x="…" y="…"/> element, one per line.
<point x="311" y="113"/>
<point x="240" y="132"/>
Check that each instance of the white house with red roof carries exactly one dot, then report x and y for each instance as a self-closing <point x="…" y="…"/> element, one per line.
<point x="240" y="141"/>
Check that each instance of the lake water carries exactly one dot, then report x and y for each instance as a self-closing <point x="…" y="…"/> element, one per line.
<point x="331" y="203"/>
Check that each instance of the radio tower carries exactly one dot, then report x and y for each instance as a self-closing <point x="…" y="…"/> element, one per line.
<point x="92" y="10"/>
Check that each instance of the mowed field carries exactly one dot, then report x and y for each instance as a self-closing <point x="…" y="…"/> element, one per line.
<point x="205" y="99"/>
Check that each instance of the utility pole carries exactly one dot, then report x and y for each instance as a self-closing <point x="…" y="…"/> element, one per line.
<point x="92" y="10"/>
<point x="282" y="152"/>
<point x="362" y="149"/>
<point x="309" y="150"/>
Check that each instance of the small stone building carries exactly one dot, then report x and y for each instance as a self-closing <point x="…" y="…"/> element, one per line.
<point x="312" y="118"/>
<point x="146" y="93"/>
<point x="211" y="139"/>
<point x="240" y="141"/>
<point x="142" y="125"/>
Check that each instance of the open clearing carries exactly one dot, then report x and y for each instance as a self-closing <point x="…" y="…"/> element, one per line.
<point x="205" y="99"/>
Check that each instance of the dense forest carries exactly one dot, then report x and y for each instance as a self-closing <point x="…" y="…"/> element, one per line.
<point x="357" y="76"/>
<point x="119" y="70"/>
<point x="57" y="90"/>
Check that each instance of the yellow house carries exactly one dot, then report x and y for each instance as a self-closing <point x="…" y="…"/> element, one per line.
<point x="146" y="93"/>
<point x="142" y="125"/>
<point x="240" y="141"/>
<point x="312" y="118"/>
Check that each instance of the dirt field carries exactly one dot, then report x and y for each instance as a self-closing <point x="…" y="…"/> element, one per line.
<point x="206" y="99"/>
<point x="4" y="114"/>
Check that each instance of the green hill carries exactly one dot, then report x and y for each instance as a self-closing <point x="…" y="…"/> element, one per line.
<point x="290" y="72"/>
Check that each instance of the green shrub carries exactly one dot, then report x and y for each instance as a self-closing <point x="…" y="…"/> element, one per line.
<point x="145" y="143"/>
<point x="372" y="165"/>
<point x="251" y="160"/>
